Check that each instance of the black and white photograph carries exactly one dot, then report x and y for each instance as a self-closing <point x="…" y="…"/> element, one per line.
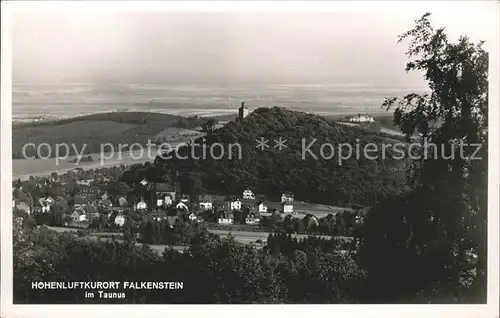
<point x="250" y="154"/>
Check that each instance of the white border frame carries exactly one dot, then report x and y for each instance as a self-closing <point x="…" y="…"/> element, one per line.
<point x="219" y="311"/>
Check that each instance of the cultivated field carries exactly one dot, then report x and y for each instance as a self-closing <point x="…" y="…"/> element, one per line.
<point x="177" y="134"/>
<point x="318" y="210"/>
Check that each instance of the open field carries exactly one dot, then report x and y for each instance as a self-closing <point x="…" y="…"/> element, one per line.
<point x="177" y="134"/>
<point x="318" y="210"/>
<point x="85" y="129"/>
<point x="24" y="168"/>
<point x="88" y="134"/>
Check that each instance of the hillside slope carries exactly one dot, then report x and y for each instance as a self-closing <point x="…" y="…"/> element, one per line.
<point x="96" y="129"/>
<point x="271" y="171"/>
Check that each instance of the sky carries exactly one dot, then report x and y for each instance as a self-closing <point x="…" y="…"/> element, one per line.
<point x="255" y="47"/>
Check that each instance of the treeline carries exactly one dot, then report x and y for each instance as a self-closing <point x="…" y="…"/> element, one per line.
<point x="282" y="243"/>
<point x="341" y="224"/>
<point x="163" y="232"/>
<point x="212" y="270"/>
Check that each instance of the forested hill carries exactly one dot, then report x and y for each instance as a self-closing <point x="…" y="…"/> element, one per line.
<point x="270" y="171"/>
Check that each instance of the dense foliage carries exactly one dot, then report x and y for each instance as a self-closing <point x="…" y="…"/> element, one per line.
<point x="213" y="270"/>
<point x="433" y="240"/>
<point x="313" y="178"/>
<point x="162" y="232"/>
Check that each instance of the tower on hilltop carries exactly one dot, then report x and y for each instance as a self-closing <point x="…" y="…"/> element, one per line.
<point x="243" y="111"/>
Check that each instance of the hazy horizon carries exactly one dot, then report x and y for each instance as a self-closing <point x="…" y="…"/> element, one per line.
<point x="224" y="48"/>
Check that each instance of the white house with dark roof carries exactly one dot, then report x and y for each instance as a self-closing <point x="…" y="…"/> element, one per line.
<point x="164" y="193"/>
<point x="248" y="194"/>
<point x="120" y="220"/>
<point x="287" y="197"/>
<point x="287" y="207"/>
<point x="141" y="205"/>
<point x="262" y="207"/>
<point x="234" y="204"/>
<point x="106" y="203"/>
<point x="361" y="119"/>
<point x="182" y="206"/>
<point x="20" y="205"/>
<point x="252" y="218"/>
<point x="79" y="215"/>
<point x="226" y="218"/>
<point x="46" y="204"/>
<point x="206" y="205"/>
<point x="79" y="201"/>
<point x="206" y="201"/>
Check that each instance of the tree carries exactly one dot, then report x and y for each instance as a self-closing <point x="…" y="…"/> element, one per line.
<point x="298" y="226"/>
<point x="288" y="224"/>
<point x="209" y="125"/>
<point x="444" y="217"/>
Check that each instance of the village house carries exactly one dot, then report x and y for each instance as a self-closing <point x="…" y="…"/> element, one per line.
<point x="168" y="200"/>
<point x="106" y="203"/>
<point x="163" y="194"/>
<point x="46" y="204"/>
<point x="287" y="207"/>
<point x="192" y="217"/>
<point x="210" y="202"/>
<point x="205" y="201"/>
<point x="122" y="201"/>
<point x="79" y="201"/>
<point x="120" y="219"/>
<point x="79" y="215"/>
<point x="206" y="205"/>
<point x="248" y="194"/>
<point x="141" y="205"/>
<point x="185" y="198"/>
<point x="89" y="191"/>
<point x="252" y="218"/>
<point x="226" y="218"/>
<point x="287" y="197"/>
<point x="20" y="205"/>
<point x="85" y="182"/>
<point x="361" y="119"/>
<point x="23" y="201"/>
<point x="262" y="207"/>
<point x="233" y="204"/>
<point x="182" y="206"/>
<point x="158" y="216"/>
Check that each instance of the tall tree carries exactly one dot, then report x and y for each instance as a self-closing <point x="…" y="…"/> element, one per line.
<point x="443" y="220"/>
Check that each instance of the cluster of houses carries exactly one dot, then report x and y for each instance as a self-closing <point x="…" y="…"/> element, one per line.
<point x="89" y="204"/>
<point x="164" y="195"/>
<point x="84" y="207"/>
<point x="360" y="119"/>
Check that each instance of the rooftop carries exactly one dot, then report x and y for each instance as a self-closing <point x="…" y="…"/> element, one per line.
<point x="164" y="187"/>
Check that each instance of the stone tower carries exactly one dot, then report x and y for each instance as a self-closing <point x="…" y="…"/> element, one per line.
<point x="243" y="111"/>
